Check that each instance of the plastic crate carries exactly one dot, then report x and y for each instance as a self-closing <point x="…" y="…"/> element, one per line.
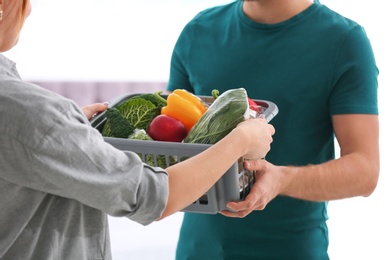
<point x="234" y="185"/>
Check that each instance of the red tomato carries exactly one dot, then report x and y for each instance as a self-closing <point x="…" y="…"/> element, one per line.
<point x="166" y="128"/>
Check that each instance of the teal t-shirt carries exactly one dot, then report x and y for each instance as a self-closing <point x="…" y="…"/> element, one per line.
<point x="314" y="65"/>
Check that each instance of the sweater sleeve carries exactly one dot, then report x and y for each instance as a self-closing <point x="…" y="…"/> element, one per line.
<point x="68" y="158"/>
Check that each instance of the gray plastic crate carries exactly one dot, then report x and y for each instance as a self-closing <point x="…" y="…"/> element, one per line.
<point x="234" y="185"/>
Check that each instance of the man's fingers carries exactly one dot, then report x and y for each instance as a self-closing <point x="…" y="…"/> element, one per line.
<point x="255" y="165"/>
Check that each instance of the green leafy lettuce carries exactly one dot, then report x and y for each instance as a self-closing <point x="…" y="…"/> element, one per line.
<point x="224" y="114"/>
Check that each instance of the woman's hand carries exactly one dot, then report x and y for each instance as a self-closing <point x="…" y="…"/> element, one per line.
<point x="92" y="109"/>
<point x="191" y="178"/>
<point x="257" y="137"/>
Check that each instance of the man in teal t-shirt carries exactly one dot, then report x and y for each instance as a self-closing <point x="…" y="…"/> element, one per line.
<point x="319" y="68"/>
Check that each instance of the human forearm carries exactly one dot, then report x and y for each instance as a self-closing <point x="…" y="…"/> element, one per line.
<point x="190" y="179"/>
<point x="349" y="176"/>
<point x="355" y="173"/>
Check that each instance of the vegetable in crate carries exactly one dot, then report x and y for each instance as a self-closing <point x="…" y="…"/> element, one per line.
<point x="222" y="116"/>
<point x="166" y="128"/>
<point x="185" y="107"/>
<point x="155" y="98"/>
<point x="253" y="105"/>
<point x="197" y="101"/>
<point x="161" y="161"/>
<point x="139" y="111"/>
<point x="116" y="125"/>
<point x="141" y="134"/>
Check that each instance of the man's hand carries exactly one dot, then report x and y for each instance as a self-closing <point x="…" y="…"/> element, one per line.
<point x="92" y="109"/>
<point x="267" y="186"/>
<point x="354" y="174"/>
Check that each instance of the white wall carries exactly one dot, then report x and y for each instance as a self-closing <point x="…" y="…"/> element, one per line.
<point x="132" y="40"/>
<point x="118" y="40"/>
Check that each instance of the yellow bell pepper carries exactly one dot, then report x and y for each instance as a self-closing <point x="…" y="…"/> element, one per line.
<point x="185" y="107"/>
<point x="192" y="98"/>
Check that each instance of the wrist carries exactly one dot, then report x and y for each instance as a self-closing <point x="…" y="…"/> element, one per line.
<point x="287" y="174"/>
<point x="239" y="141"/>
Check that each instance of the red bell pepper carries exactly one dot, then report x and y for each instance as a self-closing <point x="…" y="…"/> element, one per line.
<point x="253" y="105"/>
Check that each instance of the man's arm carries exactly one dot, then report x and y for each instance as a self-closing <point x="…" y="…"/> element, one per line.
<point x="355" y="173"/>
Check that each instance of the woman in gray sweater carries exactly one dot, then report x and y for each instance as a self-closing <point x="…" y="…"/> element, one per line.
<point x="59" y="179"/>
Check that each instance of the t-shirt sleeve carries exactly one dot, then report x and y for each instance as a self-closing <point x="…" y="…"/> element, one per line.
<point x="355" y="77"/>
<point x="179" y="76"/>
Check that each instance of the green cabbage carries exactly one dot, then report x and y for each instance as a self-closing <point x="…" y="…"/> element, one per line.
<point x="139" y="112"/>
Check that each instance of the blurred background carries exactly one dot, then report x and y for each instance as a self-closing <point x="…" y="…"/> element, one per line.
<point x="94" y="50"/>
